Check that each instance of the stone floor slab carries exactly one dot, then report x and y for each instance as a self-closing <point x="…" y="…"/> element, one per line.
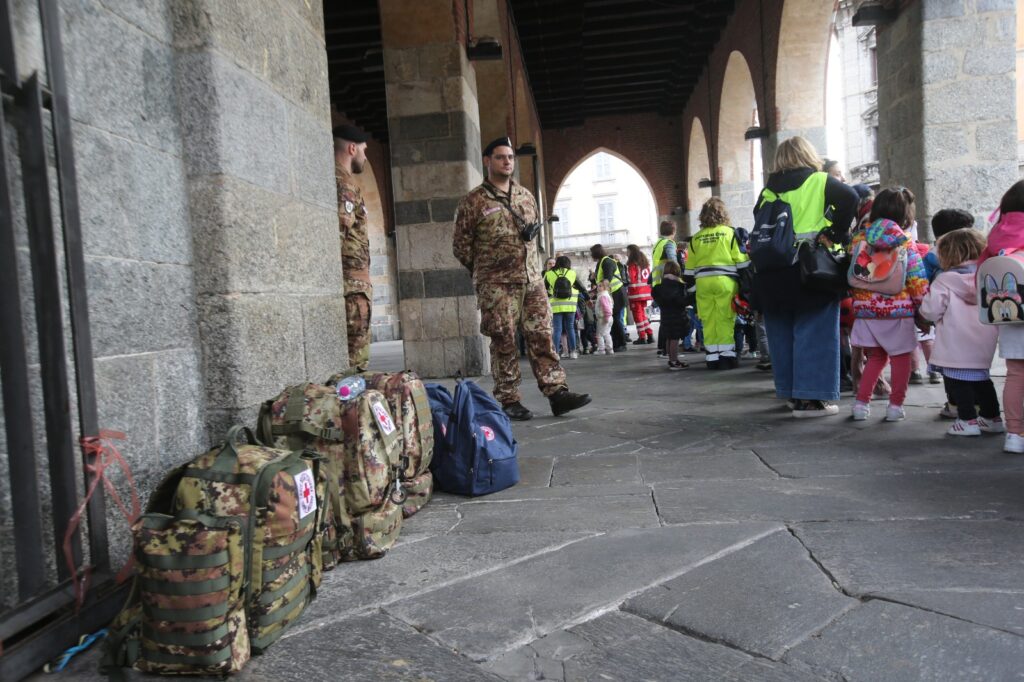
<point x="595" y="469"/>
<point x="1002" y="609"/>
<point x="883" y="641"/>
<point x="569" y="513"/>
<point x="372" y="648"/>
<point x="412" y="568"/>
<point x="548" y="592"/>
<point x="868" y="558"/>
<point x="966" y="495"/>
<point x="574" y="442"/>
<point x="763" y="599"/>
<point x="627" y="648"/>
<point x="926" y="452"/>
<point x="535" y="472"/>
<point x="661" y="466"/>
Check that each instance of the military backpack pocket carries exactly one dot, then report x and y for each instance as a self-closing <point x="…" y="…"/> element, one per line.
<point x="190" y="587"/>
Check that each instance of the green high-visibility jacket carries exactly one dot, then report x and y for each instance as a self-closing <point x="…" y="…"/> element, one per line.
<point x="561" y="305"/>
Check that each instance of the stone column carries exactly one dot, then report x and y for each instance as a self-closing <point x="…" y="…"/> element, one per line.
<point x="252" y="92"/>
<point x="739" y="198"/>
<point x="434" y="130"/>
<point x="947" y="107"/>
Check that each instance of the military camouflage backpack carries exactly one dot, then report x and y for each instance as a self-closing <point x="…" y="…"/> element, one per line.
<point x="234" y="563"/>
<point x="359" y="443"/>
<point x="407" y="398"/>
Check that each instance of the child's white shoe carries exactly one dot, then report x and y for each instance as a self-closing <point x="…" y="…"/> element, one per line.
<point x="861" y="411"/>
<point x="895" y="413"/>
<point x="1014" y="443"/>
<point x="994" y="425"/>
<point x="948" y="412"/>
<point x="964" y="428"/>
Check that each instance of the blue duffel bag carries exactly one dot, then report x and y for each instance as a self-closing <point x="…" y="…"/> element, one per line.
<point x="474" y="450"/>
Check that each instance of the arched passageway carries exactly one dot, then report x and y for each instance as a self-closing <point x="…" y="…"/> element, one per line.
<point x="800" y="71"/>
<point x="698" y="167"/>
<point x="736" y="155"/>
<point x="604" y="199"/>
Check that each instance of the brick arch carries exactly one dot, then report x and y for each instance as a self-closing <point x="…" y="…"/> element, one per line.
<point x="606" y="150"/>
<point x="737" y="101"/>
<point x="804" y="29"/>
<point x="648" y="142"/>
<point x="698" y="165"/>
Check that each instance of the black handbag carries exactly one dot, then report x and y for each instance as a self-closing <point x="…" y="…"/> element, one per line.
<point x="821" y="269"/>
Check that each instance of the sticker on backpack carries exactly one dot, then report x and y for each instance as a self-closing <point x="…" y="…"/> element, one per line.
<point x="380" y="411"/>
<point x="1001" y="290"/>
<point x="305" y="490"/>
<point x="488" y="432"/>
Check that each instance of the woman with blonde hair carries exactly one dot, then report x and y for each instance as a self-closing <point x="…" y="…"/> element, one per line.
<point x="803" y="324"/>
<point x="715" y="260"/>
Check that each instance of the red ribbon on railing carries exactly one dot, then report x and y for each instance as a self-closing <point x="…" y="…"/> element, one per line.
<point x="100" y="453"/>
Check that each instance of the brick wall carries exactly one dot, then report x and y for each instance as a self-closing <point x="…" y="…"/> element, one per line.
<point x="652" y="143"/>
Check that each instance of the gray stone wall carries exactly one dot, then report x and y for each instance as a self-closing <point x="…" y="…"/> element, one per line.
<point x="947" y="107"/>
<point x="739" y="198"/>
<point x="435" y="159"/>
<point x="205" y="173"/>
<point x="251" y="84"/>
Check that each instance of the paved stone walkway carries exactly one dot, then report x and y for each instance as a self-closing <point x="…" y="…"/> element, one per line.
<point x="685" y="527"/>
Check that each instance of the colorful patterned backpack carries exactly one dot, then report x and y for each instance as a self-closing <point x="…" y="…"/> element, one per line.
<point x="359" y="444"/>
<point x="228" y="556"/>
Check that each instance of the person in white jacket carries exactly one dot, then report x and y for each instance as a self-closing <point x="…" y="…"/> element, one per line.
<point x="964" y="347"/>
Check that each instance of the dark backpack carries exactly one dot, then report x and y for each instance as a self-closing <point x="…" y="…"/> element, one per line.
<point x="474" y="450"/>
<point x="772" y="241"/>
<point x="562" y="287"/>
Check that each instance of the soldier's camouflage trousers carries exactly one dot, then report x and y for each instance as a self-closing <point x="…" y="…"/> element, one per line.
<point x="502" y="308"/>
<point x="357" y="312"/>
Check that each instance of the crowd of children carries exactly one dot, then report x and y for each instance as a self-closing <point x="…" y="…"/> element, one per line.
<point x="913" y="298"/>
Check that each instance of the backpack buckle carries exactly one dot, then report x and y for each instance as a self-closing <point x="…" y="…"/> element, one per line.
<point x="398" y="494"/>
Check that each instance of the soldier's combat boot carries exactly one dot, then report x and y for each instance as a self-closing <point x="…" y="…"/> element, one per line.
<point x="566" y="401"/>
<point x="517" y="412"/>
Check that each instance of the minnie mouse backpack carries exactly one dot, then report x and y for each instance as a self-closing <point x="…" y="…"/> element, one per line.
<point x="1000" y="283"/>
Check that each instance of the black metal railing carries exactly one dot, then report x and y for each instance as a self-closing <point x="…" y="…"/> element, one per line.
<point x="45" y="620"/>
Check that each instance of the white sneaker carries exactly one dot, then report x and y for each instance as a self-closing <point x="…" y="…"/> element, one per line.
<point x="1014" y="443"/>
<point x="964" y="428"/>
<point x="609" y="352"/>
<point x="948" y="412"/>
<point x="861" y="411"/>
<point x="894" y="413"/>
<point x="574" y="355"/>
<point x="994" y="425"/>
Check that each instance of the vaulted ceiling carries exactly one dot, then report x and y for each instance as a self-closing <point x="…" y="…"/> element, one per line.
<point x="597" y="57"/>
<point x="584" y="57"/>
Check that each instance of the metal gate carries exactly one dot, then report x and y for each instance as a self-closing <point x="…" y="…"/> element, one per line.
<point x="45" y="619"/>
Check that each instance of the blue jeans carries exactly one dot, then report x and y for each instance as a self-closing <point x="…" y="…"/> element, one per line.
<point x="564" y="322"/>
<point x="805" y="352"/>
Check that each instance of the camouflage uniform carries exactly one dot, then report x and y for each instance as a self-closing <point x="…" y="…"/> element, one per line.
<point x="355" y="263"/>
<point x="509" y="287"/>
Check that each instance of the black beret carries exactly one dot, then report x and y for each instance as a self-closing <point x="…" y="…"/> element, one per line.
<point x="350" y="133"/>
<point x="500" y="142"/>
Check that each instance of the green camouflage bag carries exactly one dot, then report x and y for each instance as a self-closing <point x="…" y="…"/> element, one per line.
<point x="407" y="398"/>
<point x="359" y="442"/>
<point x="234" y="563"/>
<point x="276" y="492"/>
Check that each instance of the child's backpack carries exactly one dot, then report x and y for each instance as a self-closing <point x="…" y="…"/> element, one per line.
<point x="228" y="556"/>
<point x="562" y="288"/>
<point x="359" y="442"/>
<point x="1000" y="283"/>
<point x="883" y="271"/>
<point x="474" y="450"/>
<point x="407" y="398"/>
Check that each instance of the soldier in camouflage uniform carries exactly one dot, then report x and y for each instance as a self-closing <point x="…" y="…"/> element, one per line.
<point x="349" y="158"/>
<point x="492" y="240"/>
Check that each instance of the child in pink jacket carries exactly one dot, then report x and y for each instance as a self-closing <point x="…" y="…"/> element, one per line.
<point x="1008" y="235"/>
<point x="963" y="345"/>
